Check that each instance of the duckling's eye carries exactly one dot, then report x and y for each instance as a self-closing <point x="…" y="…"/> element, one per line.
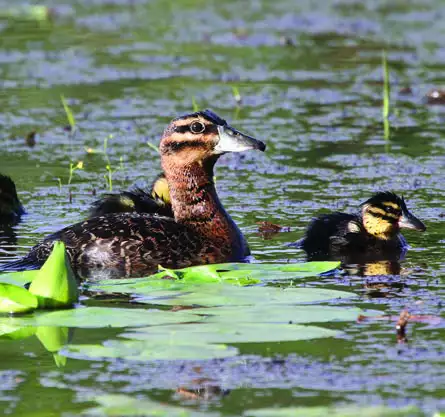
<point x="197" y="127"/>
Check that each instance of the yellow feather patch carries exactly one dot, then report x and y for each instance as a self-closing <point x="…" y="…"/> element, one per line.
<point x="160" y="190"/>
<point x="353" y="227"/>
<point x="127" y="201"/>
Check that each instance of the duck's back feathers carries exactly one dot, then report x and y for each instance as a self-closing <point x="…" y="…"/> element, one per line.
<point x="126" y="244"/>
<point x="329" y="230"/>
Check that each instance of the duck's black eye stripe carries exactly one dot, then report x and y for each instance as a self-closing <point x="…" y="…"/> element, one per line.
<point x="382" y="216"/>
<point x="176" y="146"/>
<point x="186" y="129"/>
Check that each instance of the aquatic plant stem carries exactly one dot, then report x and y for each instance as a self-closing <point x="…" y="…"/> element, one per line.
<point x="386" y="96"/>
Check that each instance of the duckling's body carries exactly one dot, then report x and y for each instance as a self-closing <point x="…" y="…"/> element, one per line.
<point x="11" y="209"/>
<point x="370" y="235"/>
<point x="134" y="244"/>
<point x="137" y="200"/>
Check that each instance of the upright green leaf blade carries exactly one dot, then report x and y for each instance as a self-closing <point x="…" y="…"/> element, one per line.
<point x="55" y="284"/>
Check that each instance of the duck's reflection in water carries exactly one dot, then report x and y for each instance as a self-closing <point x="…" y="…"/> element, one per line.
<point x="383" y="278"/>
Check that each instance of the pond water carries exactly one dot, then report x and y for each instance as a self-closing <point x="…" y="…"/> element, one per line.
<point x="310" y="77"/>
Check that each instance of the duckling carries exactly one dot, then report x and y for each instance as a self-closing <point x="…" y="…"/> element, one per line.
<point x="134" y="244"/>
<point x="372" y="234"/>
<point x="155" y="200"/>
<point x="11" y="208"/>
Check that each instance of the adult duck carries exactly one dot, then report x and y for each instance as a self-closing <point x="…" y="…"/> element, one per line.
<point x="201" y="232"/>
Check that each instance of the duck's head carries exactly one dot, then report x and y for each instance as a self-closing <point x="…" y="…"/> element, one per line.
<point x="202" y="137"/>
<point x="385" y="213"/>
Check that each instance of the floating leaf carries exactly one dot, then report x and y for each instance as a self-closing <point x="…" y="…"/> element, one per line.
<point x="96" y="317"/>
<point x="18" y="278"/>
<point x="334" y="412"/>
<point x="55" y="284"/>
<point x="150" y="350"/>
<point x="125" y="406"/>
<point x="229" y="332"/>
<point x="14" y="299"/>
<point x="219" y="295"/>
<point x="269" y="313"/>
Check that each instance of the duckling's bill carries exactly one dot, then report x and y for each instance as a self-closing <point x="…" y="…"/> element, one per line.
<point x="231" y="140"/>
<point x="409" y="221"/>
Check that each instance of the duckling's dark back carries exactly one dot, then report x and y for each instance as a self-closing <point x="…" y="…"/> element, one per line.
<point x="324" y="231"/>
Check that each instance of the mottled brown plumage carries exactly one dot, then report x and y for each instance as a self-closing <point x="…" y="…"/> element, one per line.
<point x="134" y="244"/>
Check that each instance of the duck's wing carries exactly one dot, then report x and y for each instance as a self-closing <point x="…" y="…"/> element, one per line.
<point x="129" y="243"/>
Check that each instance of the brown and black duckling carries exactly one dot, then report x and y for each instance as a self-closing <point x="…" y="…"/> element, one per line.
<point x="154" y="200"/>
<point x="369" y="235"/>
<point x="11" y="209"/>
<point x="134" y="244"/>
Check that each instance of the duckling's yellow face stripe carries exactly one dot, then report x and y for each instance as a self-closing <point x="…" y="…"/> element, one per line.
<point x="380" y="223"/>
<point x="381" y="212"/>
<point x="395" y="206"/>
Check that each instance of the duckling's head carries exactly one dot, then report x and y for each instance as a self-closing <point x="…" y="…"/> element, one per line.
<point x="160" y="190"/>
<point x="202" y="137"/>
<point x="10" y="206"/>
<point x="385" y="213"/>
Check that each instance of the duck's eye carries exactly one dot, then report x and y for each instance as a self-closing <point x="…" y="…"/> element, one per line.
<point x="197" y="127"/>
<point x="388" y="209"/>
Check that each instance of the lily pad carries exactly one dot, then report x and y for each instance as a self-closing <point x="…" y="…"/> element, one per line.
<point x="240" y="274"/>
<point x="334" y="412"/>
<point x="230" y="332"/>
<point x="14" y="299"/>
<point x="219" y="295"/>
<point x="96" y="317"/>
<point x="18" y="278"/>
<point x="162" y="349"/>
<point x="125" y="406"/>
<point x="284" y="314"/>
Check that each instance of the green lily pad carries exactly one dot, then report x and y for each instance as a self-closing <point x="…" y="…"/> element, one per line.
<point x="216" y="272"/>
<point x="219" y="295"/>
<point x="228" y="332"/>
<point x="125" y="406"/>
<point x="161" y="349"/>
<point x="14" y="299"/>
<point x="334" y="412"/>
<point x="55" y="284"/>
<point x="97" y="317"/>
<point x="18" y="278"/>
<point x="269" y="313"/>
<point x="232" y="273"/>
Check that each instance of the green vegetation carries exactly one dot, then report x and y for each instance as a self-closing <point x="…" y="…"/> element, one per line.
<point x="386" y="96"/>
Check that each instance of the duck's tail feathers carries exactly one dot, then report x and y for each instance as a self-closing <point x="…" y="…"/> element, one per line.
<point x="298" y="244"/>
<point x="22" y="264"/>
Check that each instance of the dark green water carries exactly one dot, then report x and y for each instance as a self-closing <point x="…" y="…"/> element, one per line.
<point x="127" y="69"/>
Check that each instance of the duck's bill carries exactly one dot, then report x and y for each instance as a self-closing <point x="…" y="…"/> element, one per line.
<point x="408" y="221"/>
<point x="230" y="140"/>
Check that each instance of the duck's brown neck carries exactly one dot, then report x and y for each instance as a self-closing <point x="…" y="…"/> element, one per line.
<point x="196" y="204"/>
